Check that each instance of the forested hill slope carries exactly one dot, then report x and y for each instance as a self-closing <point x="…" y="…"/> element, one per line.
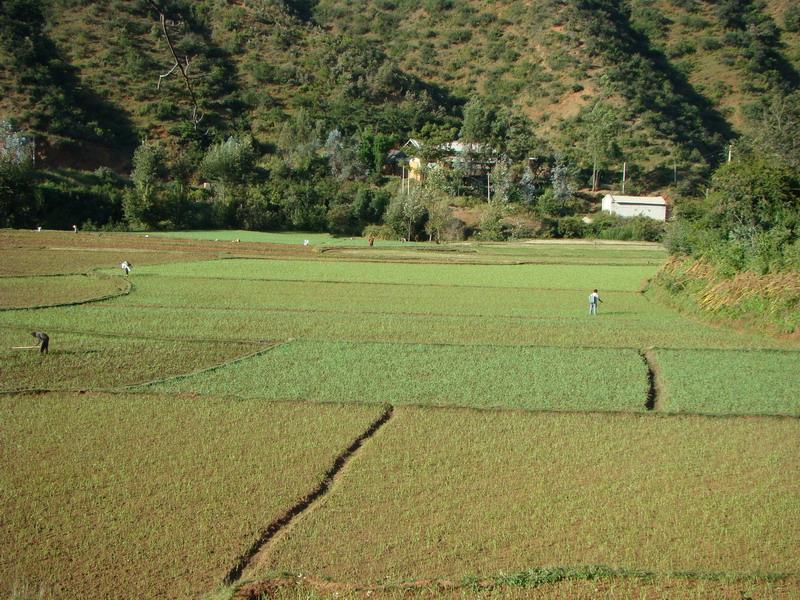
<point x="671" y="80"/>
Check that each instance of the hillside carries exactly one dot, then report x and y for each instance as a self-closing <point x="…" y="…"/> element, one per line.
<point x="683" y="76"/>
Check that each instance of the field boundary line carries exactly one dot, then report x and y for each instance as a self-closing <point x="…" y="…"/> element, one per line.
<point x="261" y="544"/>
<point x="382" y="313"/>
<point x="655" y="392"/>
<point x="640" y="413"/>
<point x="388" y="283"/>
<point x="130" y="336"/>
<point x="127" y="289"/>
<point x="240" y="340"/>
<point x="259" y="352"/>
<point x="529" y="579"/>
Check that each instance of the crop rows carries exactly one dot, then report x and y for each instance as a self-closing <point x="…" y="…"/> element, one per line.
<point x="446" y="493"/>
<point x="145" y="497"/>
<point x="730" y="382"/>
<point x="19" y="292"/>
<point x="485" y="377"/>
<point x="577" y="277"/>
<point x="96" y="362"/>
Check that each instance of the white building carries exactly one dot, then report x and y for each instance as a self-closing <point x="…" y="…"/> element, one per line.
<point x="654" y="207"/>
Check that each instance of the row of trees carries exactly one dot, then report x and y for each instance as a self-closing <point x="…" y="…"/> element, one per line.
<point x="749" y="219"/>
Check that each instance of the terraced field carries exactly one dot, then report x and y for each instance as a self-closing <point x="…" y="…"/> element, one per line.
<point x="399" y="420"/>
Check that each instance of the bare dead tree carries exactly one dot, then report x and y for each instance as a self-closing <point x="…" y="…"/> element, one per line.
<point x="181" y="64"/>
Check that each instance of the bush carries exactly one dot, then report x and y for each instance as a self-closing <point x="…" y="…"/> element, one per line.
<point x="18" y="198"/>
<point x="380" y="232"/>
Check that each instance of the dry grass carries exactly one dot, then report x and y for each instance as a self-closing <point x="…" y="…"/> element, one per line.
<point x="151" y="497"/>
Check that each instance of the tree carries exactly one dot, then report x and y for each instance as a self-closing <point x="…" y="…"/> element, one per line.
<point x="438" y="215"/>
<point x="406" y="211"/>
<point x="528" y="189"/>
<point x="753" y="194"/>
<point x="601" y="140"/>
<point x="777" y="130"/>
<point x="148" y="171"/>
<point x="229" y="163"/>
<point x="18" y="198"/>
<point x="501" y="181"/>
<point x="181" y="63"/>
<point x="342" y="157"/>
<point x="299" y="140"/>
<point x="563" y="190"/>
<point x="478" y="122"/>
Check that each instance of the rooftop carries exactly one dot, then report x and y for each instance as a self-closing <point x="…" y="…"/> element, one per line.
<point x="649" y="200"/>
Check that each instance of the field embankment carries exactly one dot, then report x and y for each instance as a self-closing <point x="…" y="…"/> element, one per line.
<point x="197" y="427"/>
<point x="755" y="301"/>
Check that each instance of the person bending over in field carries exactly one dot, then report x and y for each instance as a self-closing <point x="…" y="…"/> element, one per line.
<point x="44" y="341"/>
<point x="126" y="266"/>
<point x="594" y="298"/>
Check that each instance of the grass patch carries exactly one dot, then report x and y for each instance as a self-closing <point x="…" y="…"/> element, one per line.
<point x="444" y="494"/>
<point x="94" y="362"/>
<point x="151" y="496"/>
<point x="19" y="292"/>
<point x="341" y="323"/>
<point x="486" y="377"/>
<point x="572" y="277"/>
<point x="730" y="382"/>
<point x="577" y="583"/>
<point x="376" y="298"/>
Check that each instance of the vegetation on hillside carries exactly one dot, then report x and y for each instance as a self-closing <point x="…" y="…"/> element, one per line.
<point x="289" y="109"/>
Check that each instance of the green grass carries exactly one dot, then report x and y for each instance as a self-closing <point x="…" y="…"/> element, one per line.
<point x="151" y="496"/>
<point x="253" y="325"/>
<point x="549" y="584"/>
<point x="271" y="237"/>
<point x="377" y="298"/>
<point x="16" y="292"/>
<point x="95" y="362"/>
<point x="730" y="382"/>
<point x="441" y="491"/>
<point x="496" y="377"/>
<point x="449" y="493"/>
<point x="573" y="277"/>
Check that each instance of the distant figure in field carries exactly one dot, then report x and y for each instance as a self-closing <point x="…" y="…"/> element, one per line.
<point x="126" y="266"/>
<point x="371" y="240"/>
<point x="44" y="341"/>
<point x="306" y="242"/>
<point x="39" y="228"/>
<point x="594" y="298"/>
<point x="75" y="228"/>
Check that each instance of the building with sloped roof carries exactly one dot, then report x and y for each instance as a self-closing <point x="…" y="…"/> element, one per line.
<point x="654" y="207"/>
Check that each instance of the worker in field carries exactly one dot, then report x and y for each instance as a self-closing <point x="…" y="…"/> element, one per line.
<point x="44" y="341"/>
<point x="594" y="298"/>
<point x="126" y="267"/>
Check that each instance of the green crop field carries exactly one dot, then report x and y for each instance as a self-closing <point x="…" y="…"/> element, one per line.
<point x="442" y="494"/>
<point x="19" y="292"/>
<point x="530" y="276"/>
<point x="151" y="497"/>
<point x="477" y="376"/>
<point x="218" y="408"/>
<point x="730" y="382"/>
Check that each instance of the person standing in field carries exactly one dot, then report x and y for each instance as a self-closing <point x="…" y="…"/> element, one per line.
<point x="594" y="298"/>
<point x="126" y="266"/>
<point x="44" y="341"/>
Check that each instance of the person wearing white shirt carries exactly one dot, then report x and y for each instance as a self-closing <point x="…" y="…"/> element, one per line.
<point x="594" y="298"/>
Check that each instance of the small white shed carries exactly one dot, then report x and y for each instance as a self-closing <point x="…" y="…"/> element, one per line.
<point x="654" y="207"/>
